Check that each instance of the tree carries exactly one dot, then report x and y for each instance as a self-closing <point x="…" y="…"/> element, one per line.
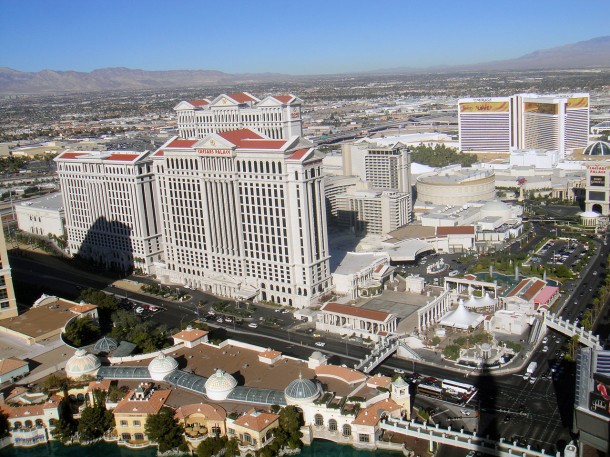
<point x="163" y="429"/>
<point x="4" y="425"/>
<point x="94" y="422"/>
<point x="290" y="422"/>
<point x="115" y="393"/>
<point x="232" y="448"/>
<point x="103" y="301"/>
<point x="452" y="352"/>
<point x="81" y="331"/>
<point x="64" y="430"/>
<point x="211" y="446"/>
<point x="572" y="348"/>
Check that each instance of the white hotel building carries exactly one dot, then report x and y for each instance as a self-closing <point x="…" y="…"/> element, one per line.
<point x="277" y="117"/>
<point x="110" y="207"/>
<point x="244" y="216"/>
<point x="524" y="121"/>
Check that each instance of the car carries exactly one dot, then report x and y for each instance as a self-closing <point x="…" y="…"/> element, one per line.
<point x="220" y="320"/>
<point x="320" y="344"/>
<point x="398" y="371"/>
<point x="228" y="319"/>
<point x="310" y="330"/>
<point x="545" y="349"/>
<point x="316" y="335"/>
<point x="277" y="310"/>
<point x="252" y="325"/>
<point x="532" y="380"/>
<point x="212" y="312"/>
<point x="545" y="339"/>
<point x="139" y="310"/>
<point x="286" y="311"/>
<point x="465" y="412"/>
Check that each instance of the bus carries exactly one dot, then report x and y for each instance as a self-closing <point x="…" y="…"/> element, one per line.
<point x="430" y="391"/>
<point x="456" y="387"/>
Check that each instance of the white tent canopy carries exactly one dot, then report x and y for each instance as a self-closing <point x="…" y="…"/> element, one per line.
<point x="462" y="318"/>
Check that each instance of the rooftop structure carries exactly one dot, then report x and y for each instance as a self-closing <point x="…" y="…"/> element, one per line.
<point x="277" y="117"/>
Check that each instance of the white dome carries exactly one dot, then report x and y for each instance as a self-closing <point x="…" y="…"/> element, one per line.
<point x="301" y="391"/>
<point x="81" y="364"/>
<point x="496" y="208"/>
<point x="161" y="366"/>
<point x="589" y="214"/>
<point x="219" y="385"/>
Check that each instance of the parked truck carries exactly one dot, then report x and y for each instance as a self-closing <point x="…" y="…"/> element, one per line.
<point x="531" y="368"/>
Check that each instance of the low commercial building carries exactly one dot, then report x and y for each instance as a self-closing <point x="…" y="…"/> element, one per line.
<point x="42" y="216"/>
<point x="362" y="274"/>
<point x="348" y="320"/>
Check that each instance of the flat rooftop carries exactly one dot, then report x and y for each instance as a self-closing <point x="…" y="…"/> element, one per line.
<point x="51" y="202"/>
<point x="41" y="320"/>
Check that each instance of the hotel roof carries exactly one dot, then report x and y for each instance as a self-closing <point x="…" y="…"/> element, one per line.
<point x="256" y="421"/>
<point x="150" y="405"/>
<point x="11" y="364"/>
<point x="190" y="335"/>
<point x="209" y="412"/>
<point x="51" y="202"/>
<point x="362" y="313"/>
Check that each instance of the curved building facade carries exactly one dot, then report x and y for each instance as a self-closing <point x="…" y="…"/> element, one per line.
<point x="456" y="186"/>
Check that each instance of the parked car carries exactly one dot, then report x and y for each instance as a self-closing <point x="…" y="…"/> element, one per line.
<point x="320" y="344"/>
<point x="139" y="310"/>
<point x="252" y="325"/>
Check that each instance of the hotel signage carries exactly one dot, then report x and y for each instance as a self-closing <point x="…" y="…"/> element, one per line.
<point x="215" y="152"/>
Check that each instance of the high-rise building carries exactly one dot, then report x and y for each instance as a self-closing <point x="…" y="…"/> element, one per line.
<point x="110" y="208"/>
<point x="276" y="117"/>
<point x="485" y="124"/>
<point x="383" y="166"/>
<point x="243" y="216"/>
<point x="597" y="187"/>
<point x="8" y="304"/>
<point x="524" y="121"/>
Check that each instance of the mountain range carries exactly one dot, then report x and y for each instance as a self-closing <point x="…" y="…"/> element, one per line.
<point x="594" y="53"/>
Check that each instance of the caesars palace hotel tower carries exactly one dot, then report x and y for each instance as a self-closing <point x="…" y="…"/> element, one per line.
<point x="243" y="216"/>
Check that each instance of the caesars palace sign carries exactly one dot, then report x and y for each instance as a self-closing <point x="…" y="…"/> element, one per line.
<point x="597" y="170"/>
<point x="215" y="152"/>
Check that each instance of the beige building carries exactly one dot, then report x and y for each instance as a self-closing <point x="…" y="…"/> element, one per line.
<point x="202" y="420"/>
<point x="8" y="303"/>
<point x="131" y="413"/>
<point x="455" y="185"/>
<point x="254" y="430"/>
<point x="42" y="216"/>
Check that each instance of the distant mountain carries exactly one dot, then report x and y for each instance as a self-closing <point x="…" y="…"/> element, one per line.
<point x="594" y="53"/>
<point x="49" y="81"/>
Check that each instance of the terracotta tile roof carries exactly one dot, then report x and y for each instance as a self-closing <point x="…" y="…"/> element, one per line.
<point x="362" y="313"/>
<point x="299" y="154"/>
<point x="199" y="102"/>
<point x="527" y="289"/>
<point x="379" y="381"/>
<point x="11" y="364"/>
<point x="190" y="334"/>
<point x="209" y="412"/>
<point x="181" y="143"/>
<point x="457" y="230"/>
<point x="371" y="415"/>
<point x="283" y="98"/>
<point x="241" y="97"/>
<point x="269" y="354"/>
<point x="256" y="421"/>
<point x="247" y="139"/>
<point x="82" y="308"/>
<point x="150" y="406"/>
<point x="71" y="155"/>
<point x="102" y="385"/>
<point x="347" y="375"/>
<point x="16" y="412"/>
<point x="159" y="153"/>
<point x="122" y="157"/>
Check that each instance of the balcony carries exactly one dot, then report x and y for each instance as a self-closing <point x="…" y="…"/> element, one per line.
<point x="25" y="437"/>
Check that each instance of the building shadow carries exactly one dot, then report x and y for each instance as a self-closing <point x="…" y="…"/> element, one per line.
<point x="108" y="246"/>
<point x="489" y="417"/>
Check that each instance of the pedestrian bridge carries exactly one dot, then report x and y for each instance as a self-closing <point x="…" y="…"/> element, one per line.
<point x="381" y="352"/>
<point x="460" y="438"/>
<point x="569" y="329"/>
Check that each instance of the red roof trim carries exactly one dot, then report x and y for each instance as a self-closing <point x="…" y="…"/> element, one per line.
<point x="181" y="143"/>
<point x="283" y="98"/>
<point x="241" y="97"/>
<point x="199" y="102"/>
<point x="122" y="157"/>
<point x="71" y="155"/>
<point x="299" y="154"/>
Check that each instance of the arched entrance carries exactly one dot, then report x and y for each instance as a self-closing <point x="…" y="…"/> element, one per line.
<point x="597" y="208"/>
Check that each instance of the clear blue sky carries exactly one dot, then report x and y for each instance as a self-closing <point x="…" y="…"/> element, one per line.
<point x="286" y="36"/>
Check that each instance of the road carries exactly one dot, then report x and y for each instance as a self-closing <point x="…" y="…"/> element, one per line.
<point x="510" y="406"/>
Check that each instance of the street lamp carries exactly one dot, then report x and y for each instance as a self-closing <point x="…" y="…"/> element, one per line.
<point x="181" y="319"/>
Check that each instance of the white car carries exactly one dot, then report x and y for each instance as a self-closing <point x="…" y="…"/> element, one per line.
<point x="465" y="412"/>
<point x="398" y="371"/>
<point x="545" y="339"/>
<point x="545" y="349"/>
<point x="139" y="310"/>
<point x="320" y="344"/>
<point x="252" y="325"/>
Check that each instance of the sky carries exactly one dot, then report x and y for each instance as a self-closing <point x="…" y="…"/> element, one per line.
<point x="285" y="36"/>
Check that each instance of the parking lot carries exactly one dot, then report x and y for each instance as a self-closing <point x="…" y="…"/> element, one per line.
<point x="566" y="252"/>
